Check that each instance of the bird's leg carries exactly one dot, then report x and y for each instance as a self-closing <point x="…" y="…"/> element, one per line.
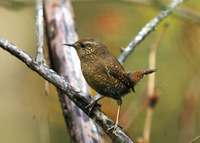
<point x="114" y="127"/>
<point x="91" y="105"/>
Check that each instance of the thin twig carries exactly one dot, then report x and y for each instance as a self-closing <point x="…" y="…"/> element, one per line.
<point x="81" y="101"/>
<point x="147" y="29"/>
<point x="195" y="139"/>
<point x="188" y="13"/>
<point x="39" y="31"/>
<point x="152" y="96"/>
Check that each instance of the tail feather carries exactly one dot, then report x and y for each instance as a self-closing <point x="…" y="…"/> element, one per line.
<point x="137" y="75"/>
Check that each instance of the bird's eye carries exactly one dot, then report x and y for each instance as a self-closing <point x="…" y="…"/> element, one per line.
<point x="83" y="45"/>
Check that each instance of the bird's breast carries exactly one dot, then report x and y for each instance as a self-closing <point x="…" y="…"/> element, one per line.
<point x="95" y="75"/>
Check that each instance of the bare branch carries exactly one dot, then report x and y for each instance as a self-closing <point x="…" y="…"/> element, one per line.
<point x="147" y="29"/>
<point x="81" y="101"/>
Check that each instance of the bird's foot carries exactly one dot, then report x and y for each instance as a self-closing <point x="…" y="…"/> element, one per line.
<point x="91" y="105"/>
<point x="114" y="127"/>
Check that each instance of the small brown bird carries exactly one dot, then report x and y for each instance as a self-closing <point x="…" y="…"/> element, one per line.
<point x="104" y="73"/>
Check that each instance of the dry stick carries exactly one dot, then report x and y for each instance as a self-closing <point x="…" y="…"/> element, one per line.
<point x="81" y="101"/>
<point x="151" y="85"/>
<point x="60" y="28"/>
<point x="39" y="32"/>
<point x="195" y="139"/>
<point x="147" y="29"/>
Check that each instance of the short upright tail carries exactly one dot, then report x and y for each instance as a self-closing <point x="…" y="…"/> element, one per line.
<point x="137" y="75"/>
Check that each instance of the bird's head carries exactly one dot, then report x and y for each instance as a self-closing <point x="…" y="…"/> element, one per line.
<point x="88" y="46"/>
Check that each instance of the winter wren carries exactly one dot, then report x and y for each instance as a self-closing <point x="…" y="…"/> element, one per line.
<point x="104" y="73"/>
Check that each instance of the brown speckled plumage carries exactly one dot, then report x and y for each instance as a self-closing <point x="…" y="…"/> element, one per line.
<point x="103" y="72"/>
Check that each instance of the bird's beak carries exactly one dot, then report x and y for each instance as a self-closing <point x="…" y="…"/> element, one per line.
<point x="71" y="45"/>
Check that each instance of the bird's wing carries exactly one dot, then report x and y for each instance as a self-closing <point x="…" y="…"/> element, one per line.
<point x="118" y="72"/>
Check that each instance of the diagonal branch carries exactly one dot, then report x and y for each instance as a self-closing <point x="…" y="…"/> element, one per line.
<point x="81" y="101"/>
<point x="147" y="29"/>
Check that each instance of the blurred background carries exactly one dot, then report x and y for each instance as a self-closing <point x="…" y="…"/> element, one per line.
<point x="27" y="115"/>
